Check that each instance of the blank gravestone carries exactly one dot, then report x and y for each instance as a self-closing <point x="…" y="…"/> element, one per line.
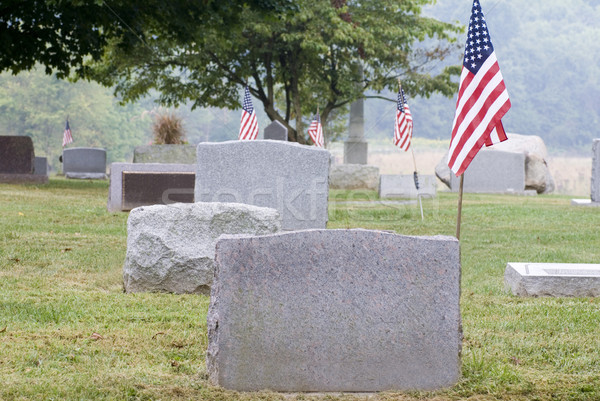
<point x="335" y="310"/>
<point x="403" y="186"/>
<point x="276" y="131"/>
<point x="84" y="163"/>
<point x="285" y="176"/>
<point x="17" y="161"/>
<point x="594" y="199"/>
<point x="493" y="171"/>
<point x="16" y="155"/>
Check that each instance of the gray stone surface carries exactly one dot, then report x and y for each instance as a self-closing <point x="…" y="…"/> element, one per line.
<point x="173" y="154"/>
<point x="354" y="176"/>
<point x="553" y="279"/>
<point x="335" y="310"/>
<point x="276" y="131"/>
<point x="115" y="189"/>
<point x="84" y="163"/>
<point x="403" y="186"/>
<point x="356" y="152"/>
<point x="595" y="186"/>
<point x="171" y="248"/>
<point x="40" y="166"/>
<point x="286" y="176"/>
<point x="493" y="171"/>
<point x="537" y="173"/>
<point x="16" y="155"/>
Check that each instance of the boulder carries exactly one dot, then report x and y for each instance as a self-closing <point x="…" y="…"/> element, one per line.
<point x="354" y="176"/>
<point x="171" y="248"/>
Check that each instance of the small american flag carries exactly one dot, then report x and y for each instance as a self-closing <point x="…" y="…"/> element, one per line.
<point x="249" y="124"/>
<point x="482" y="97"/>
<point x="403" y="128"/>
<point x="67" y="138"/>
<point x="315" y="130"/>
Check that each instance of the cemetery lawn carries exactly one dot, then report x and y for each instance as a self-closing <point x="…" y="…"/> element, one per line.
<point x="67" y="330"/>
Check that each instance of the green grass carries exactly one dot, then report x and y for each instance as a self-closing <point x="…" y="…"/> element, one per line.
<point x="67" y="331"/>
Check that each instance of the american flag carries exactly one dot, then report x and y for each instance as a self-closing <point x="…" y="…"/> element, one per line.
<point x="67" y="138"/>
<point x="315" y="130"/>
<point x="403" y="128"/>
<point x="249" y="124"/>
<point x="482" y="97"/>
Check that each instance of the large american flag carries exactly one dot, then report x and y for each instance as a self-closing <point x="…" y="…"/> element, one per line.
<point x="315" y="130"/>
<point x="249" y="124"/>
<point x="482" y="97"/>
<point x="403" y="128"/>
<point x="67" y="138"/>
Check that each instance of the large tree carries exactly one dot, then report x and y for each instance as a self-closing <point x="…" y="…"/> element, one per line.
<point x="303" y="55"/>
<point x="323" y="54"/>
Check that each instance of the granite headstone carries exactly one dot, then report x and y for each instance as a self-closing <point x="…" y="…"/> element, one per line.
<point x="403" y="186"/>
<point x="16" y="155"/>
<point x="493" y="171"/>
<point x="286" y="176"/>
<point x="335" y="311"/>
<point x="84" y="163"/>
<point x="276" y="131"/>
<point x="141" y="184"/>
<point x="595" y="186"/>
<point x="171" y="248"/>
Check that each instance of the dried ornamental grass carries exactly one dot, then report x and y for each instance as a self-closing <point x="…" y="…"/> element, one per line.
<point x="168" y="129"/>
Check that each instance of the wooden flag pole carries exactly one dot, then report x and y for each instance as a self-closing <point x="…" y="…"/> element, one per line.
<point x="460" y="199"/>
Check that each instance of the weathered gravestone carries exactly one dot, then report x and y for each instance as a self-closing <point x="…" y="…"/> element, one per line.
<point x="40" y="166"/>
<point x="354" y="176"/>
<point x="143" y="184"/>
<point x="335" y="310"/>
<point x="84" y="163"/>
<point x="16" y="155"/>
<point x="174" y="154"/>
<point x="403" y="186"/>
<point x="595" y="191"/>
<point x="493" y="171"/>
<point x="553" y="279"/>
<point x="171" y="248"/>
<point x="17" y="161"/>
<point x="276" y="131"/>
<point x="594" y="199"/>
<point x="286" y="176"/>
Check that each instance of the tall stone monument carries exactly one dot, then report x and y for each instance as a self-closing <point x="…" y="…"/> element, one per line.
<point x="356" y="148"/>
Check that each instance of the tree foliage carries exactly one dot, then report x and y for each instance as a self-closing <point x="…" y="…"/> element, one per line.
<point x="322" y="54"/>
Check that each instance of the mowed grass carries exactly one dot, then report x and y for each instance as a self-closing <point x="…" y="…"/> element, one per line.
<point x="67" y="330"/>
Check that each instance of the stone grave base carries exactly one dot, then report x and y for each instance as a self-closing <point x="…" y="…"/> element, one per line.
<point x="354" y="176"/>
<point x="23" y="179"/>
<point x="584" y="202"/>
<point x="553" y="279"/>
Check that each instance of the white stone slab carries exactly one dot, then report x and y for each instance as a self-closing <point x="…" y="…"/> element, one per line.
<point x="553" y="279"/>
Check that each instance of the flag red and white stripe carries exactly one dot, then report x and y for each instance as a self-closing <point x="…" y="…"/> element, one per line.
<point x="249" y="123"/>
<point x="67" y="138"/>
<point x="315" y="130"/>
<point x="403" y="127"/>
<point x="482" y="97"/>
